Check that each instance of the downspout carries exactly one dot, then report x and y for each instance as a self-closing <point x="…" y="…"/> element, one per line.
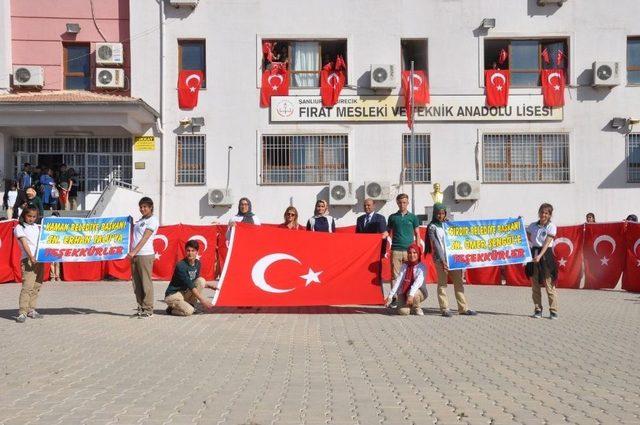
<point x="160" y="119"/>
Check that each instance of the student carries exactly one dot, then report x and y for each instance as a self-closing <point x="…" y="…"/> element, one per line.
<point x="245" y="215"/>
<point x="290" y="219"/>
<point x="186" y="285"/>
<point x="73" y="189"/>
<point x="435" y="245"/>
<point x="11" y="196"/>
<point x="321" y="220"/>
<point x="26" y="198"/>
<point x="54" y="269"/>
<point x="543" y="270"/>
<point x="24" y="178"/>
<point x="632" y="218"/>
<point x="591" y="218"/>
<point x="410" y="285"/>
<point x="27" y="232"/>
<point x="142" y="256"/>
<point x="47" y="185"/>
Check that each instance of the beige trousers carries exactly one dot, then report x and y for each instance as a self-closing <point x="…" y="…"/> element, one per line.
<point x="397" y="258"/>
<point x="536" y="287"/>
<point x="456" y="277"/>
<point x="404" y="309"/>
<point x="182" y="302"/>
<point x="31" y="282"/>
<point x="141" y="267"/>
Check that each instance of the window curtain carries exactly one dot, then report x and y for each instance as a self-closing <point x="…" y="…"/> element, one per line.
<point x="306" y="57"/>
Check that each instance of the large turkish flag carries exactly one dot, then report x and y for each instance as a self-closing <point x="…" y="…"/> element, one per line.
<point x="276" y="267"/>
<point x="604" y="255"/>
<point x="553" y="82"/>
<point x="567" y="249"/>
<point x="9" y="264"/>
<point x="497" y="82"/>
<point x="206" y="236"/>
<point x="166" y="244"/>
<point x="189" y="83"/>
<point x="631" y="276"/>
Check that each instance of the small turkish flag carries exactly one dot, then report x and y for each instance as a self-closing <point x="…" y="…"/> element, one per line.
<point x="269" y="266"/>
<point x="553" y="83"/>
<point x="567" y="249"/>
<point x="420" y="92"/>
<point x="604" y="255"/>
<point x="275" y="82"/>
<point x="497" y="84"/>
<point x="332" y="79"/>
<point x="189" y="83"/>
<point x="631" y="276"/>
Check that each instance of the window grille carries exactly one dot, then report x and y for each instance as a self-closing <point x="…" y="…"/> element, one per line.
<point x="526" y="158"/>
<point x="633" y="158"/>
<point x="422" y="161"/>
<point x="304" y="159"/>
<point x="190" y="160"/>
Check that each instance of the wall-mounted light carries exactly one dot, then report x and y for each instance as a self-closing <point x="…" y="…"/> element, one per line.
<point x="73" y="28"/>
<point x="488" y="23"/>
<point x="197" y="121"/>
<point x="618" y="122"/>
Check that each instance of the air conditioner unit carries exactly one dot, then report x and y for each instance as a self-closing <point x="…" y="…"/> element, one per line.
<point x="546" y="2"/>
<point x="341" y="193"/>
<point x="378" y="191"/>
<point x="183" y="3"/>
<point x="109" y="54"/>
<point x="110" y="78"/>
<point x="606" y="74"/>
<point x="220" y="197"/>
<point x="466" y="190"/>
<point x="28" y="76"/>
<point x="383" y="77"/>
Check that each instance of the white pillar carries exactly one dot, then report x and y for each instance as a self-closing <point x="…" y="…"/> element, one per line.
<point x="5" y="46"/>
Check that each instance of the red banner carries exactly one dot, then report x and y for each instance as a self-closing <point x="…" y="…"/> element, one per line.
<point x="277" y="267"/>
<point x="166" y="244"/>
<point x="7" y="258"/>
<point x="553" y="83"/>
<point x="631" y="276"/>
<point x="497" y="84"/>
<point x="514" y="275"/>
<point x="332" y="80"/>
<point x="484" y="276"/>
<point x="567" y="249"/>
<point x="604" y="254"/>
<point x="275" y="82"/>
<point x="206" y="237"/>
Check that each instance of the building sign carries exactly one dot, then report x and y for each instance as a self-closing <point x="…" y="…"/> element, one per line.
<point x="391" y="109"/>
<point x="144" y="143"/>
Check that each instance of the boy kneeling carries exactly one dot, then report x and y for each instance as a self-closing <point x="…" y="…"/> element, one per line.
<point x="186" y="285"/>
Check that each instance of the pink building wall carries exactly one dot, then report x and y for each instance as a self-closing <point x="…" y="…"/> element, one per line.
<point x="38" y="31"/>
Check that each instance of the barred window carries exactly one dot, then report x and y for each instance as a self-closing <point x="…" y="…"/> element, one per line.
<point x="190" y="160"/>
<point x="422" y="163"/>
<point x="526" y="158"/>
<point x="633" y="158"/>
<point x="633" y="60"/>
<point x="304" y="159"/>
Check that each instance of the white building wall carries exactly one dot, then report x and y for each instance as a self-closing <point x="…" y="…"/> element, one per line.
<point x="229" y="104"/>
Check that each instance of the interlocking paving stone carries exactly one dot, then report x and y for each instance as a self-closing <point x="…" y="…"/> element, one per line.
<point x="89" y="362"/>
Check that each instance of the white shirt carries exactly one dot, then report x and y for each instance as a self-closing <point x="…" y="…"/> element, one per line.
<point x="31" y="232"/>
<point x="539" y="233"/>
<point x="150" y="223"/>
<point x="419" y="273"/>
<point x="12" y="195"/>
<point x="238" y="219"/>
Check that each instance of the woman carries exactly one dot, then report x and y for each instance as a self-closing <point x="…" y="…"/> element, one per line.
<point x="245" y="215"/>
<point x="142" y="256"/>
<point x="47" y="184"/>
<point x="543" y="271"/>
<point x="290" y="219"/>
<point x="321" y="221"/>
<point x="591" y="218"/>
<point x="73" y="189"/>
<point x="410" y="286"/>
<point x="434" y="244"/>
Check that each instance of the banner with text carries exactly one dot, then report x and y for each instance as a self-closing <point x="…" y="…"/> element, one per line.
<point x="83" y="239"/>
<point x="484" y="243"/>
<point x="391" y="109"/>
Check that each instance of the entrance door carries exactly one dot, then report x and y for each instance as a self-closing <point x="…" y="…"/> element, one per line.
<point x="51" y="161"/>
<point x="21" y="158"/>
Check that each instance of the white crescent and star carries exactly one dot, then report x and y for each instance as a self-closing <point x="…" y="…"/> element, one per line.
<point x="336" y="79"/>
<point x="635" y="245"/>
<point x="191" y="77"/>
<point x="279" y="77"/>
<point x="604" y="261"/>
<point x="500" y="76"/>
<point x="260" y="268"/>
<point x="164" y="239"/>
<point x="562" y="261"/>
<point x="202" y="239"/>
<point x="551" y="76"/>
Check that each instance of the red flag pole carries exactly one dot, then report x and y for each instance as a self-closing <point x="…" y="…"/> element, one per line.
<point x="413" y="146"/>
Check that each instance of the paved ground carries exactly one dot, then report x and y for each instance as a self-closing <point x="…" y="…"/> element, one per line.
<point x="88" y="362"/>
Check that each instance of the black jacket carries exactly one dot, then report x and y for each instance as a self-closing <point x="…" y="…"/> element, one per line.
<point x="377" y="224"/>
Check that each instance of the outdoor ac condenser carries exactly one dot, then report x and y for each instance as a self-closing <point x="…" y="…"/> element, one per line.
<point x="378" y="191"/>
<point x="220" y="197"/>
<point x="466" y="190"/>
<point x="28" y="76"/>
<point x="341" y="193"/>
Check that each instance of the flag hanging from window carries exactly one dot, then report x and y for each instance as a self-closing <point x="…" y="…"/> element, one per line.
<point x="189" y="83"/>
<point x="497" y="84"/>
<point x="332" y="80"/>
<point x="420" y="92"/>
<point x="553" y="83"/>
<point x="275" y="82"/>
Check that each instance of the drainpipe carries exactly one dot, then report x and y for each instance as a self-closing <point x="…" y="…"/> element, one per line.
<point x="160" y="120"/>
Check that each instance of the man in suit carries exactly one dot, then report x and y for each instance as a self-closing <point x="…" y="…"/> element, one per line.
<point x="370" y="221"/>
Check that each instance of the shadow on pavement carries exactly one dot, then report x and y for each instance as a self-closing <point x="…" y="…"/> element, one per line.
<point x="13" y="313"/>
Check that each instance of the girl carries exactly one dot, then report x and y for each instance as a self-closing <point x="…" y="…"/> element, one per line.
<point x="12" y="196"/>
<point x="142" y="256"/>
<point x="245" y="215"/>
<point x="321" y="221"/>
<point x="434" y="244"/>
<point x="591" y="218"/>
<point x="28" y="232"/>
<point x="410" y="284"/>
<point x="54" y="270"/>
<point x="543" y="270"/>
<point x="290" y="219"/>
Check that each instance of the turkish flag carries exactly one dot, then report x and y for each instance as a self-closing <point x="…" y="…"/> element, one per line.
<point x="420" y="92"/>
<point x="553" y="82"/>
<point x="497" y="84"/>
<point x="206" y="236"/>
<point x="514" y="275"/>
<point x="189" y="83"/>
<point x="269" y="266"/>
<point x="604" y="254"/>
<point x="631" y="276"/>
<point x="332" y="80"/>
<point x="484" y="276"/>
<point x="166" y="243"/>
<point x="119" y="269"/>
<point x="275" y="82"/>
<point x="76" y="272"/>
<point x="9" y="266"/>
<point x="567" y="249"/>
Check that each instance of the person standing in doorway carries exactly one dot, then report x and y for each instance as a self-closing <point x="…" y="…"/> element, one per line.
<point x="24" y="177"/>
<point x="47" y="185"/>
<point x="73" y="189"/>
<point x="142" y="256"/>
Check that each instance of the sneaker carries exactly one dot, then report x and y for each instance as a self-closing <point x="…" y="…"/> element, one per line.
<point x="553" y="315"/>
<point x="144" y="315"/>
<point x="34" y="315"/>
<point x="418" y="312"/>
<point x="469" y="313"/>
<point x="537" y="314"/>
<point x="446" y="313"/>
<point x="394" y="303"/>
<point x="21" y="318"/>
<point x="169" y="310"/>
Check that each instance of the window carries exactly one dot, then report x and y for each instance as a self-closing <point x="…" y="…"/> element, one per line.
<point x="526" y="158"/>
<point x="422" y="163"/>
<point x="633" y="158"/>
<point x="633" y="60"/>
<point x="526" y="58"/>
<point x="77" y="67"/>
<point x="416" y="51"/>
<point x="306" y="58"/>
<point x="313" y="159"/>
<point x="190" y="160"/>
<point x="192" y="57"/>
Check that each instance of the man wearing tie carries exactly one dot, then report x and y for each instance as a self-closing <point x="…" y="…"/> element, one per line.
<point x="370" y="221"/>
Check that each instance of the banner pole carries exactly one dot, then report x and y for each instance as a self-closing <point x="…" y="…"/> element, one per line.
<point x="413" y="147"/>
